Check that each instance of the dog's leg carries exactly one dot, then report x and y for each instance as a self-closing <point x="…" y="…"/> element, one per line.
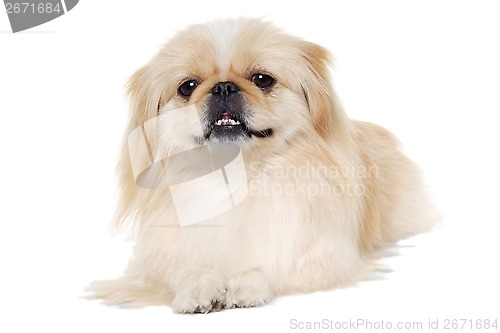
<point x="199" y="292"/>
<point x="248" y="289"/>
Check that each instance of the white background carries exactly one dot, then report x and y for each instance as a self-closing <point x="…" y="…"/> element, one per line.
<point x="427" y="70"/>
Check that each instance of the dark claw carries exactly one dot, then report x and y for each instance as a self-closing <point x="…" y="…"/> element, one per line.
<point x="217" y="305"/>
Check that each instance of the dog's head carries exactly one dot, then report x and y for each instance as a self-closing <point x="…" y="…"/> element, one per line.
<point x="251" y="84"/>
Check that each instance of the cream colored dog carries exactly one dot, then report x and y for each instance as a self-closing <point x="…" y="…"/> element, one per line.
<point x="323" y="193"/>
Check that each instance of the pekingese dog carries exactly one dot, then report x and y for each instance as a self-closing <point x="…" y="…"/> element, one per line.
<point x="243" y="179"/>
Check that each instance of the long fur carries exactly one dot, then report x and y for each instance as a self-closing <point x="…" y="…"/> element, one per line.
<point x="271" y="243"/>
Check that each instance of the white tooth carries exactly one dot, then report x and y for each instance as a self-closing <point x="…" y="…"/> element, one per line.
<point x="219" y="122"/>
<point x="237" y="122"/>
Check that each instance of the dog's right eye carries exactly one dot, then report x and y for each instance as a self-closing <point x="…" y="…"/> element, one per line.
<point x="187" y="88"/>
<point x="263" y="81"/>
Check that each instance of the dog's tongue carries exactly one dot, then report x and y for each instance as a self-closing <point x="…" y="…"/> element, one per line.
<point x="226" y="116"/>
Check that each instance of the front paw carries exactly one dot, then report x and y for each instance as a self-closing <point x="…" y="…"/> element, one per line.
<point x="247" y="290"/>
<point x="201" y="294"/>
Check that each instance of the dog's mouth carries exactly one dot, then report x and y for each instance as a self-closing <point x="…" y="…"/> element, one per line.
<point x="226" y="119"/>
<point x="229" y="128"/>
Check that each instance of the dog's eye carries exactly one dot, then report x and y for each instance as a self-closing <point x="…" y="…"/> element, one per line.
<point x="263" y="81"/>
<point x="187" y="88"/>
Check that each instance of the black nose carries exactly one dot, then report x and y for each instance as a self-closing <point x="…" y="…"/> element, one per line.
<point x="225" y="88"/>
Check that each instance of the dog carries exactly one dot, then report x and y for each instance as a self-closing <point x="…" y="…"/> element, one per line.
<point x="315" y="195"/>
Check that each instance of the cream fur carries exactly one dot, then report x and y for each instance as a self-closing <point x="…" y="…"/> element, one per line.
<point x="272" y="243"/>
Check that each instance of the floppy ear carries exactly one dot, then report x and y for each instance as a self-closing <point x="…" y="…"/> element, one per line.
<point x="144" y="92"/>
<point x="328" y="117"/>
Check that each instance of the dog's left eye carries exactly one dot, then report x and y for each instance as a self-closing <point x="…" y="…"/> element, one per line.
<point x="187" y="88"/>
<point x="263" y="81"/>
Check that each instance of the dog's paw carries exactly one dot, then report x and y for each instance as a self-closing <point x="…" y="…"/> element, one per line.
<point x="200" y="294"/>
<point x="247" y="290"/>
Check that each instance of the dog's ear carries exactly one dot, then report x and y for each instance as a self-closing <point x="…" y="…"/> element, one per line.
<point x="327" y="115"/>
<point x="144" y="92"/>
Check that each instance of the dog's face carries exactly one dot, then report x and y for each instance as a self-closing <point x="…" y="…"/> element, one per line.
<point x="250" y="83"/>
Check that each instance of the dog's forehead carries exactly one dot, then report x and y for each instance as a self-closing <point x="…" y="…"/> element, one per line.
<point x="224" y="39"/>
<point x="232" y="47"/>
